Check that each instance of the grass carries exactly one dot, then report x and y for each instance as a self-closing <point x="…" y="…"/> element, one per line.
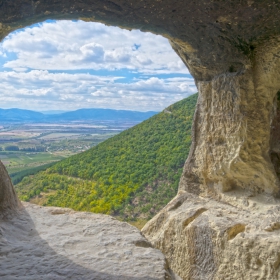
<point x="138" y="223"/>
<point x="19" y="161"/>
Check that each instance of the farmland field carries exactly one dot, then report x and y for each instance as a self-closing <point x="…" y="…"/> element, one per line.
<point x="18" y="161"/>
<point x="25" y="146"/>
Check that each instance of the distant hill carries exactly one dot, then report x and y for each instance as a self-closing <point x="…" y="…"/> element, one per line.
<point x="102" y="115"/>
<point x="20" y="115"/>
<point x="53" y="112"/>
<point x="131" y="175"/>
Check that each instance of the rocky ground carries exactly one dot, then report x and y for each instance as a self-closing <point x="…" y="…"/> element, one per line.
<point x="57" y="243"/>
<point x="205" y="239"/>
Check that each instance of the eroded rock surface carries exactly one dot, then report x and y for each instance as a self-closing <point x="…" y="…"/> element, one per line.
<point x="235" y="130"/>
<point x="9" y="202"/>
<point x="56" y="243"/>
<point x="208" y="240"/>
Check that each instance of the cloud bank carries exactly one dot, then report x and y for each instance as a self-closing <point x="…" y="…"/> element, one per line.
<point x="70" y="65"/>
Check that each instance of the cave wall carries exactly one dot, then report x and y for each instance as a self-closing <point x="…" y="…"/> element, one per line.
<point x="236" y="129"/>
<point x="275" y="136"/>
<point x="230" y="48"/>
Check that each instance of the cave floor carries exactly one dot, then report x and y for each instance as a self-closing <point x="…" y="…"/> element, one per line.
<point x="58" y="243"/>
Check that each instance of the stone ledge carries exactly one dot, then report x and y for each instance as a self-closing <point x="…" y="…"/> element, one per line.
<point x="56" y="243"/>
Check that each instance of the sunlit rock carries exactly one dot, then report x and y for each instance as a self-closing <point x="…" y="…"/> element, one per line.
<point x="204" y="239"/>
<point x="9" y="202"/>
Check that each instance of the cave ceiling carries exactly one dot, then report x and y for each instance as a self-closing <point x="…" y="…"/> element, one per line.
<point x="216" y="35"/>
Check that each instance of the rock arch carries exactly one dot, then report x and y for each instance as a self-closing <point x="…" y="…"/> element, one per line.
<point x="232" y="49"/>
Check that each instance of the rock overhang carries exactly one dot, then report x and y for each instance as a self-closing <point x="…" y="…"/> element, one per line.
<point x="211" y="37"/>
<point x="232" y="50"/>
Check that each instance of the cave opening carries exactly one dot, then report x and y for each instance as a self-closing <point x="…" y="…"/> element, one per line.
<point x="132" y="70"/>
<point x="212" y="47"/>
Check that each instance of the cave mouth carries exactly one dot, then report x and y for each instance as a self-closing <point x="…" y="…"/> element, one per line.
<point x="223" y="53"/>
<point x="162" y="86"/>
<point x="210" y="37"/>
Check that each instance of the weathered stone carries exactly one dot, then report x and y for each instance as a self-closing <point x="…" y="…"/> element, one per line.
<point x="234" y="131"/>
<point x="208" y="240"/>
<point x="56" y="243"/>
<point x="9" y="202"/>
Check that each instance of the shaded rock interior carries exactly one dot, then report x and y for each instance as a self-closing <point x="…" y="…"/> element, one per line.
<point x="275" y="136"/>
<point x="232" y="49"/>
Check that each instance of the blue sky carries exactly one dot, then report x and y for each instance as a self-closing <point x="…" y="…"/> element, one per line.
<point x="67" y="65"/>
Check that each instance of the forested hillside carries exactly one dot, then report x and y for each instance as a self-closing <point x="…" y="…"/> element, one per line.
<point x="131" y="175"/>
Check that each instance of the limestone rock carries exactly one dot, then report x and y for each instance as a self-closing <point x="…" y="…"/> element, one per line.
<point x="56" y="243"/>
<point x="208" y="240"/>
<point x="235" y="143"/>
<point x="9" y="202"/>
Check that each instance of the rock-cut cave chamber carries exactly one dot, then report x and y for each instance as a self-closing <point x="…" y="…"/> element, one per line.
<point x="232" y="49"/>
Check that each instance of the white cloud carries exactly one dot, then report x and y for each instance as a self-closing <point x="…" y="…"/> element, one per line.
<point x="38" y="61"/>
<point x="65" y="45"/>
<point x="73" y="91"/>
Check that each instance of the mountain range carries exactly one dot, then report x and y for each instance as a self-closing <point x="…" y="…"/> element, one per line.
<point x="21" y="115"/>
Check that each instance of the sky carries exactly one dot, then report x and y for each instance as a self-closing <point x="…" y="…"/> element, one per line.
<point x="68" y="65"/>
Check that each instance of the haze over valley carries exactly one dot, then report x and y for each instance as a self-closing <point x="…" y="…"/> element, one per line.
<point x="29" y="139"/>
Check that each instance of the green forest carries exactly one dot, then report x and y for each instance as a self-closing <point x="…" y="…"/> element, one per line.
<point x="131" y="175"/>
